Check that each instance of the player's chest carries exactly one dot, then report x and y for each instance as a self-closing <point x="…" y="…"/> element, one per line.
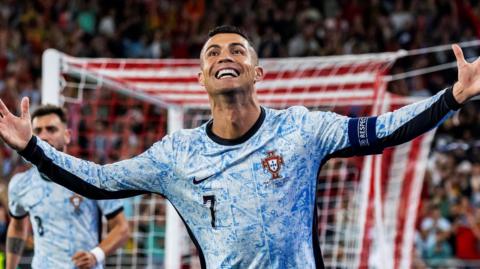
<point x="246" y="179"/>
<point x="238" y="192"/>
<point x="49" y="197"/>
<point x="269" y="159"/>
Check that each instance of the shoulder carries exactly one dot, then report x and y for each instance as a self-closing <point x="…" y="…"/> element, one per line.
<point x="111" y="208"/>
<point x="186" y="134"/>
<point x="293" y="110"/>
<point x="426" y="223"/>
<point x="291" y="113"/>
<point x="444" y="224"/>
<point x="182" y="139"/>
<point x="182" y="135"/>
<point x="112" y="204"/>
<point x="301" y="112"/>
<point x="296" y="114"/>
<point x="21" y="181"/>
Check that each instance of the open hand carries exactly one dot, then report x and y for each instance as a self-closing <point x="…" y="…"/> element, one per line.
<point x="16" y="131"/>
<point x="84" y="260"/>
<point x="468" y="84"/>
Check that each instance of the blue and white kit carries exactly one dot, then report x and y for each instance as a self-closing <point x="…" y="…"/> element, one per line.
<point x="63" y="222"/>
<point x="247" y="202"/>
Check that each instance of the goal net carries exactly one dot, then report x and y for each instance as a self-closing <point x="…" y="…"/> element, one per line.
<point x="366" y="205"/>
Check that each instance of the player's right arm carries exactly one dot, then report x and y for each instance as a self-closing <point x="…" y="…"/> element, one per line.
<point x="16" y="236"/>
<point x="147" y="172"/>
<point x="19" y="225"/>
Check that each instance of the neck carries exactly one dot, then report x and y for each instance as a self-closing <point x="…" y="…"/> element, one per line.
<point x="234" y="113"/>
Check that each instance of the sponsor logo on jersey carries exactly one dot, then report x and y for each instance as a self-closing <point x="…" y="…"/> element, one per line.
<point x="273" y="163"/>
<point x="198" y="181"/>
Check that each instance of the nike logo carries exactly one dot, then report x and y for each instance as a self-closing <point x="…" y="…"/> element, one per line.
<point x="198" y="181"/>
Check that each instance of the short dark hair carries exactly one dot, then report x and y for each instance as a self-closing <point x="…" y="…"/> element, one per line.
<point x="50" y="109"/>
<point x="229" y="29"/>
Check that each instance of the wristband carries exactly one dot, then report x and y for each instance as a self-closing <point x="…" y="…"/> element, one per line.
<point x="99" y="254"/>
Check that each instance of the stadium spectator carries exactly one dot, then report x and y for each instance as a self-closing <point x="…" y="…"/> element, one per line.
<point x="435" y="231"/>
<point x="467" y="231"/>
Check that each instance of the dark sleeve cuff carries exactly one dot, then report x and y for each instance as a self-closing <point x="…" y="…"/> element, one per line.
<point x="16" y="217"/>
<point x="114" y="213"/>
<point x="28" y="151"/>
<point x="450" y="99"/>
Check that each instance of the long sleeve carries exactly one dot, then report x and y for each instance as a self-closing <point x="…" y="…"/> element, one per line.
<point x="141" y="174"/>
<point x="334" y="135"/>
<point x="399" y="126"/>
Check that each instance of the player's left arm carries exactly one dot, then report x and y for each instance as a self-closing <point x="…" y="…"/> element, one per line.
<point x="118" y="234"/>
<point x="372" y="134"/>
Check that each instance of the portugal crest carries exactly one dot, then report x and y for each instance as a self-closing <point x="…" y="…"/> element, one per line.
<point x="273" y="163"/>
<point x="76" y="201"/>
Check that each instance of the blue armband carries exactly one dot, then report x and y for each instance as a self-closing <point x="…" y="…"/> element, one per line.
<point x="361" y="131"/>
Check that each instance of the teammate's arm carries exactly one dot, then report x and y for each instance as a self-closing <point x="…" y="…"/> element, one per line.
<point x="16" y="236"/>
<point x="117" y="236"/>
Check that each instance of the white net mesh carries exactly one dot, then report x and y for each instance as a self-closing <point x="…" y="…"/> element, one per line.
<point x="366" y="205"/>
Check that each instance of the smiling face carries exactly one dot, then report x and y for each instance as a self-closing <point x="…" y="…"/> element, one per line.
<point x="228" y="62"/>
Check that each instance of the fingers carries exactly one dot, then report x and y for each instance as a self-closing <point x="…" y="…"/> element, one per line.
<point x="78" y="255"/>
<point x="81" y="263"/>
<point x="459" y="55"/>
<point x="83" y="259"/>
<point x="3" y="109"/>
<point x="79" y="258"/>
<point x="25" y="108"/>
<point x="84" y="263"/>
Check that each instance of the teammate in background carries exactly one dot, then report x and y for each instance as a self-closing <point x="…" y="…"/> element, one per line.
<point x="244" y="182"/>
<point x="66" y="226"/>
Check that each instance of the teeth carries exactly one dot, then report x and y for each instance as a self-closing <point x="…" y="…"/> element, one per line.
<point x="227" y="73"/>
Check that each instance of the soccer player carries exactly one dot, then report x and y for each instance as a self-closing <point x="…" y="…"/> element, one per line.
<point x="244" y="182"/>
<point x="66" y="226"/>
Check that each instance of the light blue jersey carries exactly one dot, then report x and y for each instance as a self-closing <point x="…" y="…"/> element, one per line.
<point x="63" y="222"/>
<point x="247" y="202"/>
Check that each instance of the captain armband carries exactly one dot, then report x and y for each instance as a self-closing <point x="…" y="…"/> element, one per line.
<point x="361" y="131"/>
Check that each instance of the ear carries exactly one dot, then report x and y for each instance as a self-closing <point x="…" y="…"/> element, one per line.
<point x="259" y="73"/>
<point x="68" y="136"/>
<point x="201" y="78"/>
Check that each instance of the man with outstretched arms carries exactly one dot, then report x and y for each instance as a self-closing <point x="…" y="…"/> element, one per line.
<point x="66" y="226"/>
<point x="244" y="183"/>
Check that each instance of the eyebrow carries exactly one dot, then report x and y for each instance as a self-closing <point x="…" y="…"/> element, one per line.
<point x="212" y="46"/>
<point x="46" y="127"/>
<point x="229" y="45"/>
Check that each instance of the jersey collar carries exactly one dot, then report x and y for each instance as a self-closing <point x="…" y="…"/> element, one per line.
<point x="241" y="139"/>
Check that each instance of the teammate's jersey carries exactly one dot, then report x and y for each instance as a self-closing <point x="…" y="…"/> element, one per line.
<point x="247" y="202"/>
<point x="63" y="222"/>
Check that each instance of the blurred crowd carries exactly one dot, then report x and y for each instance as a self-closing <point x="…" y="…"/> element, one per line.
<point x="449" y="220"/>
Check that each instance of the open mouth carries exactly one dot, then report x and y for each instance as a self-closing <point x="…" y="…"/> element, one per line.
<point x="227" y="73"/>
